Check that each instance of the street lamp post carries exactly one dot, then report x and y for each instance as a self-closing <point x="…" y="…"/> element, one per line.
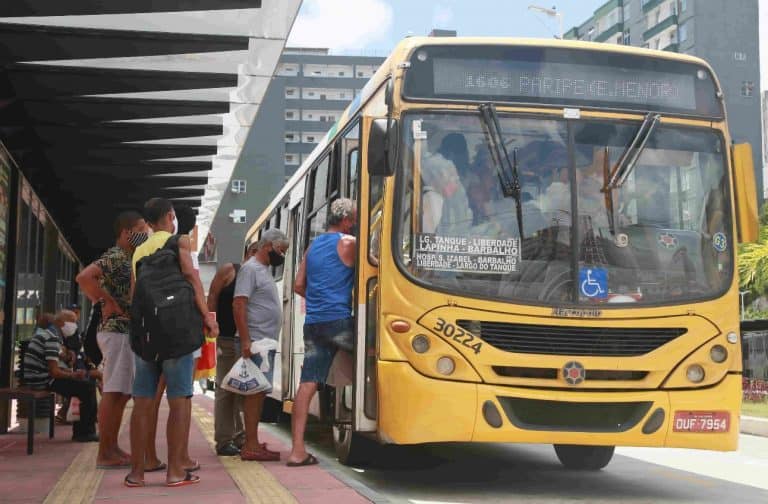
<point x="551" y="13"/>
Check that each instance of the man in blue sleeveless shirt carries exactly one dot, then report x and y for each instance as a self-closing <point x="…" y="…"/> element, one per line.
<point x="324" y="279"/>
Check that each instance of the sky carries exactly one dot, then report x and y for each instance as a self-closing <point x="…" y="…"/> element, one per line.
<point x="373" y="27"/>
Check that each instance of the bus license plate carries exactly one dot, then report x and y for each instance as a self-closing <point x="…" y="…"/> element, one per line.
<point x="702" y="421"/>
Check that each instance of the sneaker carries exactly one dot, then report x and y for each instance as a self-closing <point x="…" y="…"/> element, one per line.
<point x="260" y="455"/>
<point x="228" y="450"/>
<point x="86" y="438"/>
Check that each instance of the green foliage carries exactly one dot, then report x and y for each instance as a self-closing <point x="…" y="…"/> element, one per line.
<point x="753" y="264"/>
<point x="753" y="260"/>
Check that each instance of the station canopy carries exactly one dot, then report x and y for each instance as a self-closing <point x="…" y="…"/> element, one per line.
<point x="104" y="105"/>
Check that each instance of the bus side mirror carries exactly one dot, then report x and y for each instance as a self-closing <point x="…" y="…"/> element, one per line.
<point x="382" y="147"/>
<point x="746" y="193"/>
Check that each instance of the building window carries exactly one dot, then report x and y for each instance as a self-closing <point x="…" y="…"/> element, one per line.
<point x="238" y="186"/>
<point x="291" y="159"/>
<point x="288" y="70"/>
<point x="291" y="115"/>
<point x="682" y="32"/>
<point x="627" y="39"/>
<point x="626" y="11"/>
<point x="311" y="139"/>
<point x="238" y="216"/>
<point x="342" y="74"/>
<point x="747" y="88"/>
<point x="683" y="5"/>
<point x="291" y="137"/>
<point x="291" y="92"/>
<point x="740" y="56"/>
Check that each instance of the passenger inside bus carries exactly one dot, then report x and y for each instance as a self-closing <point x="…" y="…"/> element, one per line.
<point x="445" y="207"/>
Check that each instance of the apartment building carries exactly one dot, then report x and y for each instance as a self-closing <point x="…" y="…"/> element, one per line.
<point x="308" y="94"/>
<point x="725" y="33"/>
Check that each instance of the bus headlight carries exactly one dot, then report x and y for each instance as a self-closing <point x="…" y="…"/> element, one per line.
<point x="732" y="338"/>
<point x="695" y="373"/>
<point x="718" y="353"/>
<point x="445" y="366"/>
<point x="420" y="343"/>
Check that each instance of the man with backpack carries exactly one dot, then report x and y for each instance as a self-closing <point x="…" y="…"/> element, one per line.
<point x="168" y="312"/>
<point x="107" y="282"/>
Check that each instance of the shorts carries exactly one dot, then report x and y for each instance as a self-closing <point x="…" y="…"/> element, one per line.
<point x="321" y="340"/>
<point x="118" y="362"/>
<point x="177" y="372"/>
<point x="256" y="359"/>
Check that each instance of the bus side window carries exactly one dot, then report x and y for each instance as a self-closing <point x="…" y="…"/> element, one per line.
<point x="350" y="149"/>
<point x="317" y="201"/>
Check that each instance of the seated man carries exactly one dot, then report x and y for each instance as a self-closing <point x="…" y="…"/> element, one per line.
<point x="43" y="371"/>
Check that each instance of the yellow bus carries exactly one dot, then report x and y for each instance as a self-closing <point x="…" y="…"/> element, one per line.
<point x="547" y="250"/>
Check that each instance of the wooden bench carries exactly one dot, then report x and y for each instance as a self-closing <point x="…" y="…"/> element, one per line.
<point x="31" y="397"/>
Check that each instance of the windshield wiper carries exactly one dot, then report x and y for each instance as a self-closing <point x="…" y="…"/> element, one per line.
<point x="632" y="153"/>
<point x="505" y="169"/>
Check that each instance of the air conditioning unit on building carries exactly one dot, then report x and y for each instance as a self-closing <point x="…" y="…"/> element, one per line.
<point x="238" y="216"/>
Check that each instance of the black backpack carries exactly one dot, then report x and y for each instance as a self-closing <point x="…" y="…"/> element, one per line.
<point x="90" y="344"/>
<point x="165" y="323"/>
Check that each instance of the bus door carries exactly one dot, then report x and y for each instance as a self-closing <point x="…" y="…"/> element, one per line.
<point x="289" y="305"/>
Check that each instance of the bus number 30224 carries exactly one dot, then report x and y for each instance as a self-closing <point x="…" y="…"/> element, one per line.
<point x="457" y="334"/>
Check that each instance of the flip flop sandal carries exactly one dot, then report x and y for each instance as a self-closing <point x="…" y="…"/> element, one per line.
<point x="194" y="468"/>
<point x="161" y="467"/>
<point x="132" y="484"/>
<point x="310" y="460"/>
<point x="189" y="479"/>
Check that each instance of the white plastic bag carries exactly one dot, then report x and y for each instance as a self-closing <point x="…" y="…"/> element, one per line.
<point x="245" y="378"/>
<point x="262" y="348"/>
<point x="73" y="413"/>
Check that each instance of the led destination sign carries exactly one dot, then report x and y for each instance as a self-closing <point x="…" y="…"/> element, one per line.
<point x="563" y="80"/>
<point x="567" y="77"/>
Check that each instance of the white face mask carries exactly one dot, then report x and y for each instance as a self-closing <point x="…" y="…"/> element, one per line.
<point x="175" y="225"/>
<point x="69" y="329"/>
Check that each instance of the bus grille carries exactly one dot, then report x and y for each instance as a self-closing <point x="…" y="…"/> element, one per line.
<point x="536" y="414"/>
<point x="562" y="340"/>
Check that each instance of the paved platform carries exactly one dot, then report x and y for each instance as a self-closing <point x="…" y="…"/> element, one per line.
<point x="61" y="471"/>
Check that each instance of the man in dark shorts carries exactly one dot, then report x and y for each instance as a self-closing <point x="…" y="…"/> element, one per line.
<point x="324" y="279"/>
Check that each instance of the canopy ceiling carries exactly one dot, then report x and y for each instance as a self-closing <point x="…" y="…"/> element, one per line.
<point x="104" y="107"/>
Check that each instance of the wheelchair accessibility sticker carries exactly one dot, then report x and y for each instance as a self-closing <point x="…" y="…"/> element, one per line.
<point x="593" y="282"/>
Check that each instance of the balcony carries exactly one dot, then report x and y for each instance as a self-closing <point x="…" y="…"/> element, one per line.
<point x="610" y="32"/>
<point x="672" y="47"/>
<point x="663" y="25"/>
<point x="650" y="4"/>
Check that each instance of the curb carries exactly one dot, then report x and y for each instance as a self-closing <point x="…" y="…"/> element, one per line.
<point x="755" y="426"/>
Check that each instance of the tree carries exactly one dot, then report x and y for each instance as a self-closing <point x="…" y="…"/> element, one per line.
<point x="753" y="260"/>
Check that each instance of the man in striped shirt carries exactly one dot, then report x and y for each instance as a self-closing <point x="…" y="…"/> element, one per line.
<point x="42" y="371"/>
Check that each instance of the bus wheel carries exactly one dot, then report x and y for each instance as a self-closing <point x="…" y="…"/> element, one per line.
<point x="351" y="448"/>
<point x="588" y="458"/>
<point x="272" y="412"/>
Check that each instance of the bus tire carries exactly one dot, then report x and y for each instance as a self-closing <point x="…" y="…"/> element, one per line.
<point x="272" y="412"/>
<point x="352" y="449"/>
<point x="585" y="458"/>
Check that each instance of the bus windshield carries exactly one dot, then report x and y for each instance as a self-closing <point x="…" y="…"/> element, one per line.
<point x="661" y="236"/>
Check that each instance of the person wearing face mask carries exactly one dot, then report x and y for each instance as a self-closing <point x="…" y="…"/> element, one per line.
<point x="257" y="309"/>
<point x="183" y="224"/>
<point x="43" y="371"/>
<point x="176" y="371"/>
<point x="324" y="279"/>
<point x="108" y="281"/>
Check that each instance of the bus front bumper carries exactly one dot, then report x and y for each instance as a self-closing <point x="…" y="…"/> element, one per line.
<point x="416" y="409"/>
